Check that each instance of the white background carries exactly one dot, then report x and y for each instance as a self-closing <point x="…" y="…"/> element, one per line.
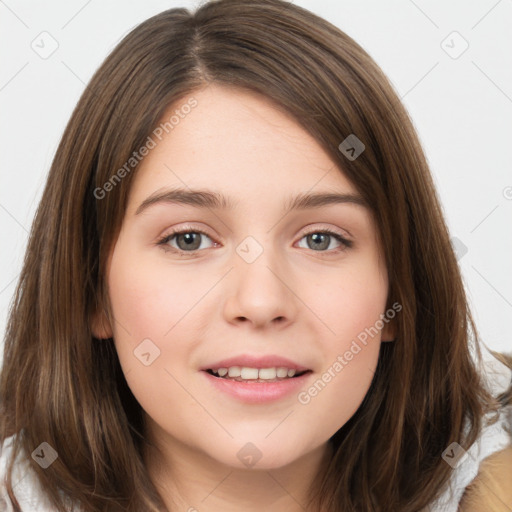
<point x="461" y="107"/>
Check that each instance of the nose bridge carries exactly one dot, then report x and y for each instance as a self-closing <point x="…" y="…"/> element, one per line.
<point x="259" y="261"/>
<point x="260" y="293"/>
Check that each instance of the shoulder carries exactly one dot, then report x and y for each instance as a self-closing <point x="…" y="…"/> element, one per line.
<point x="491" y="489"/>
<point x="481" y="476"/>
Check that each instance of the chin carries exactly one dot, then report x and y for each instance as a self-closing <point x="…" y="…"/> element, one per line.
<point x="261" y="454"/>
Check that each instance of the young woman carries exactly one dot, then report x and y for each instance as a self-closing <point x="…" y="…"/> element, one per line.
<point x="239" y="291"/>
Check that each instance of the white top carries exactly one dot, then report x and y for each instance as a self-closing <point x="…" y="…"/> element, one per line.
<point x="26" y="486"/>
<point x="492" y="439"/>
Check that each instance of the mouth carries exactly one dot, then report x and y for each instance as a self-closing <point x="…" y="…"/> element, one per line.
<point x="256" y="375"/>
<point x="251" y="385"/>
<point x="256" y="378"/>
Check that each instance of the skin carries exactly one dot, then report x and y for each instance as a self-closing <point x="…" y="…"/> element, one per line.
<point x="198" y="310"/>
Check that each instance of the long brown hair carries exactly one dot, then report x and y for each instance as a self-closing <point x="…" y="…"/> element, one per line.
<point x="61" y="385"/>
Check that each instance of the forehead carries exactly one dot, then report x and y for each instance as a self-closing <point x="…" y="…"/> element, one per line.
<point x="237" y="142"/>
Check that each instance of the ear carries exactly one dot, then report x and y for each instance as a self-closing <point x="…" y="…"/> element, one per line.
<point x="388" y="332"/>
<point x="100" y="326"/>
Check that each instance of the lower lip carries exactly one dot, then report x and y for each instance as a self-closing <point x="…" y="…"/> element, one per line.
<point x="258" y="392"/>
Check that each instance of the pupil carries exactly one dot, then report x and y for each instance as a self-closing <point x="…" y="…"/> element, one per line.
<point x="316" y="238"/>
<point x="189" y="241"/>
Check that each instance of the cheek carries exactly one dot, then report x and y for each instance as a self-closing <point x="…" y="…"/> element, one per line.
<point x="150" y="305"/>
<point x="351" y="308"/>
<point x="351" y="305"/>
<point x="336" y="394"/>
<point x="149" y="300"/>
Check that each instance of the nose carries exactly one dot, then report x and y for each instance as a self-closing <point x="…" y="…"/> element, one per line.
<point x="260" y="293"/>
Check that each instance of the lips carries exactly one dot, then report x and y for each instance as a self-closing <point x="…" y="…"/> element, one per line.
<point x="250" y="378"/>
<point x="256" y="391"/>
<point x="251" y="361"/>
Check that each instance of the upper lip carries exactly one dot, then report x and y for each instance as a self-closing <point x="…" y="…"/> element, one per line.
<point x="249" y="361"/>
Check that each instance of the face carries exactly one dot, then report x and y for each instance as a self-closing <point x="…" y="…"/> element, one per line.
<point x="250" y="284"/>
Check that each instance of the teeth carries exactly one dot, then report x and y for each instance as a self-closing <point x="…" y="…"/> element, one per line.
<point x="234" y="371"/>
<point x="282" y="372"/>
<point x="249" y="373"/>
<point x="267" y="373"/>
<point x="246" y="373"/>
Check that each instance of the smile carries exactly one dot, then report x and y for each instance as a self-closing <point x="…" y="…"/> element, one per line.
<point x="257" y="391"/>
<point x="248" y="374"/>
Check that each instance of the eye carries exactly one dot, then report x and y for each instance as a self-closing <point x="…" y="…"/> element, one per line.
<point x="187" y="240"/>
<point x="321" y="239"/>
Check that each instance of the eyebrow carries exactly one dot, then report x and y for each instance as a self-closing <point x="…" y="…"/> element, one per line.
<point x="204" y="198"/>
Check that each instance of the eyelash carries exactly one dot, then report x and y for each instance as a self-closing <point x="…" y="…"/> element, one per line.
<point x="162" y="242"/>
